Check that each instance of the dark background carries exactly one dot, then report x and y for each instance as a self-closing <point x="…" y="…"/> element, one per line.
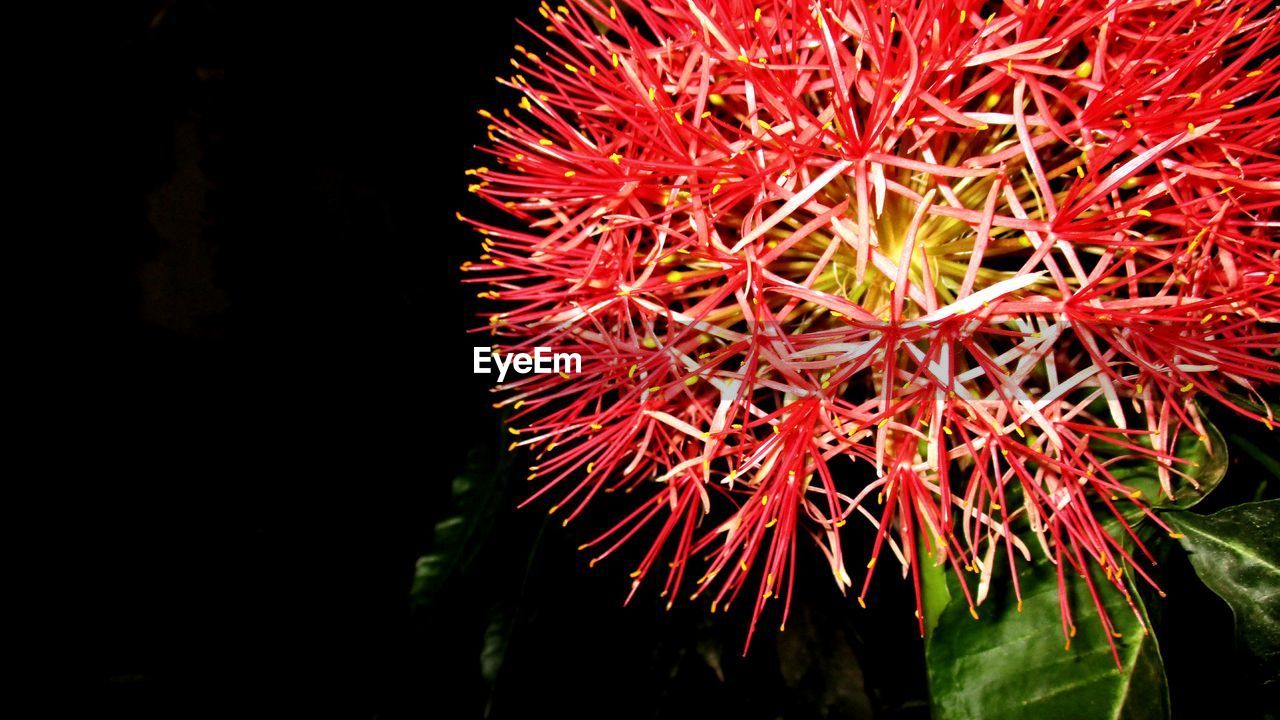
<point x="270" y="396"/>
<point x="273" y="395"/>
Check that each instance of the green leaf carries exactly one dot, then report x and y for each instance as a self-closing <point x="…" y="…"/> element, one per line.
<point x="935" y="595"/>
<point x="1012" y="664"/>
<point x="1207" y="465"/>
<point x="476" y="497"/>
<point x="1266" y="408"/>
<point x="497" y="637"/>
<point x="1236" y="552"/>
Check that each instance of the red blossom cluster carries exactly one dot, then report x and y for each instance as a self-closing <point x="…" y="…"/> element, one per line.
<point x="914" y="260"/>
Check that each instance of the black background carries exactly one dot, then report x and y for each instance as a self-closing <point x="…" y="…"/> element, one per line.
<point x="272" y="394"/>
<point x="269" y="393"/>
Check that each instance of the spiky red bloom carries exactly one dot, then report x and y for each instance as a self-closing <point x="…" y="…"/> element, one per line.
<point x="953" y="248"/>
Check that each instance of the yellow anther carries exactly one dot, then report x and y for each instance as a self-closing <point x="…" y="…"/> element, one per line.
<point x="1084" y="69"/>
<point x="569" y="173"/>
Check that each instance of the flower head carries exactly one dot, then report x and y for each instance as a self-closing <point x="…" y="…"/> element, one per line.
<point x="895" y="260"/>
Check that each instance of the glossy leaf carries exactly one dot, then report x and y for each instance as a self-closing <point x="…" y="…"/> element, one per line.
<point x="1206" y="465"/>
<point x="1236" y="552"/>
<point x="1265" y="408"/>
<point x="1011" y="664"/>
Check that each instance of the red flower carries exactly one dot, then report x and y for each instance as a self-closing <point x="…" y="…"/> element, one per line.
<point x="895" y="260"/>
